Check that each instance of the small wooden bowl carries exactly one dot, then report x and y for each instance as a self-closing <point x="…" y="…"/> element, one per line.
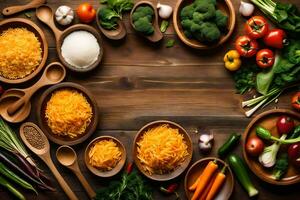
<point x="180" y="169"/>
<point x="157" y="35"/>
<point x="196" y="169"/>
<point x="42" y="121"/>
<point x="225" y="6"/>
<point x="268" y="120"/>
<point x="116" y="169"/>
<point x="117" y="34"/>
<point x="30" y="26"/>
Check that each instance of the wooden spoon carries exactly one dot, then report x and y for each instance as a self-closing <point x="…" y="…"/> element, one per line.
<point x="15" y="9"/>
<point x="157" y="35"/>
<point x="39" y="144"/>
<point x="68" y="158"/>
<point x="54" y="73"/>
<point x="116" y="34"/>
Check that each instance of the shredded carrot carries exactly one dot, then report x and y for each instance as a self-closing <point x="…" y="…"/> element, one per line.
<point x="206" y="176"/>
<point x="218" y="182"/>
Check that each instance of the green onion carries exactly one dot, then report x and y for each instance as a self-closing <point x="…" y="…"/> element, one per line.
<point x="10" y="188"/>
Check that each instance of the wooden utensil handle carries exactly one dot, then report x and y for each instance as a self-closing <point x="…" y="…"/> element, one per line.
<point x="61" y="180"/>
<point x="13" y="108"/>
<point x="15" y="9"/>
<point x="85" y="184"/>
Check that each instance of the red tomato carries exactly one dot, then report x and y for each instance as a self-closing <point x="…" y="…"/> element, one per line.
<point x="265" y="58"/>
<point x="285" y="125"/>
<point x="294" y="154"/>
<point x="296" y="101"/>
<point x="246" y="46"/>
<point x="257" y="27"/>
<point x="276" y="38"/>
<point x="254" y="146"/>
<point x="86" y="12"/>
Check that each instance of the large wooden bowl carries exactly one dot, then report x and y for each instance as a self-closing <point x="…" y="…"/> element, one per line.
<point x="268" y="120"/>
<point x="42" y="121"/>
<point x="116" y="169"/>
<point x="197" y="168"/>
<point x="180" y="169"/>
<point x="30" y="26"/>
<point x="225" y="6"/>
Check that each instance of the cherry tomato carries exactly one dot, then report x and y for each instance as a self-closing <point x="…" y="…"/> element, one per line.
<point x="265" y="58"/>
<point x="257" y="27"/>
<point x="86" y="12"/>
<point x="296" y="101"/>
<point x="285" y="125"/>
<point x="294" y="154"/>
<point x="276" y="38"/>
<point x="254" y="146"/>
<point x="246" y="46"/>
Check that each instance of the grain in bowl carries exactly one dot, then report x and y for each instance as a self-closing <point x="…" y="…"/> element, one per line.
<point x="68" y="113"/>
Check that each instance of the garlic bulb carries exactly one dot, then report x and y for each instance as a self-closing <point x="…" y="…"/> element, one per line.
<point x="64" y="15"/>
<point x="164" y="11"/>
<point x="206" y="142"/>
<point x="246" y="9"/>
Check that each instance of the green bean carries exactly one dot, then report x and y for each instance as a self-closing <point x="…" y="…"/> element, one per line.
<point x="10" y="188"/>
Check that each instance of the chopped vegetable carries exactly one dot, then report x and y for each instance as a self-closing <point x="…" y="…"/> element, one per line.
<point x="281" y="166"/>
<point x="170" y="43"/>
<point x="285" y="15"/>
<point x="206" y="176"/>
<point x="232" y="141"/>
<point x="10" y="188"/>
<point x="238" y="167"/>
<point x="15" y="178"/>
<point x="164" y="25"/>
<point x="217" y="184"/>
<point x="232" y="60"/>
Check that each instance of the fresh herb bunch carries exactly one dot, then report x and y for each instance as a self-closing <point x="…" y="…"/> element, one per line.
<point x="110" y="15"/>
<point x="245" y="78"/>
<point x="131" y="187"/>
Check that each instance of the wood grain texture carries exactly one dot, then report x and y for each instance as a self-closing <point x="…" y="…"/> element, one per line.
<point x="138" y="82"/>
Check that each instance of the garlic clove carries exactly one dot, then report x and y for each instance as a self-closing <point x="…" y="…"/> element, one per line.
<point x="246" y="9"/>
<point x="164" y="11"/>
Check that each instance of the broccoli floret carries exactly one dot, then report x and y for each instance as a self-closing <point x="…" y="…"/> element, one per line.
<point x="221" y="19"/>
<point x="144" y="26"/>
<point x="186" y="24"/>
<point x="187" y="12"/>
<point x="188" y="34"/>
<point x="197" y="18"/>
<point x="281" y="166"/>
<point x="143" y="11"/>
<point x="207" y="10"/>
<point x="210" y="32"/>
<point x="214" y="2"/>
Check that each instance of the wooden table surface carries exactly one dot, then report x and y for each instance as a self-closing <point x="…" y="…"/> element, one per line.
<point x="139" y="82"/>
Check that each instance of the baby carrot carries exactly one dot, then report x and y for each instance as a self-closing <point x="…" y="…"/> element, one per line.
<point x="206" y="176"/>
<point x="218" y="182"/>
<point x="194" y="186"/>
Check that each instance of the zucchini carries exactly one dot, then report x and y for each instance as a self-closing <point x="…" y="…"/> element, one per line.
<point x="229" y="144"/>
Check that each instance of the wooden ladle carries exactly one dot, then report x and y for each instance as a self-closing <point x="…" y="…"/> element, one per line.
<point x="68" y="158"/>
<point x="38" y="143"/>
<point x="157" y="35"/>
<point x="15" y="9"/>
<point x="45" y="14"/>
<point x="116" y="34"/>
<point x="53" y="73"/>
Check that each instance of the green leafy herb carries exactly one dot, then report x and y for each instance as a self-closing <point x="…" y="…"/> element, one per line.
<point x="164" y="25"/>
<point x="170" y="43"/>
<point x="245" y="78"/>
<point x="281" y="166"/>
<point x="131" y="187"/>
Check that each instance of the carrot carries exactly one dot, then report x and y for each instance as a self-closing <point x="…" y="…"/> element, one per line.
<point x="218" y="182"/>
<point x="206" y="176"/>
<point x="194" y="186"/>
<point x="207" y="189"/>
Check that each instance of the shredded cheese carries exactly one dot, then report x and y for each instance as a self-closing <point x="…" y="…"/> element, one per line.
<point x="104" y="155"/>
<point x="20" y="53"/>
<point x="161" y="149"/>
<point x="68" y="113"/>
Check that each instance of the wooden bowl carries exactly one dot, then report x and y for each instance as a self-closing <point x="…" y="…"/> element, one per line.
<point x="116" y="34"/>
<point x="30" y="26"/>
<point x="180" y="169"/>
<point x="116" y="169"/>
<point x="268" y="120"/>
<point x="42" y="121"/>
<point x="157" y="35"/>
<point x="225" y="6"/>
<point x="196" y="169"/>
